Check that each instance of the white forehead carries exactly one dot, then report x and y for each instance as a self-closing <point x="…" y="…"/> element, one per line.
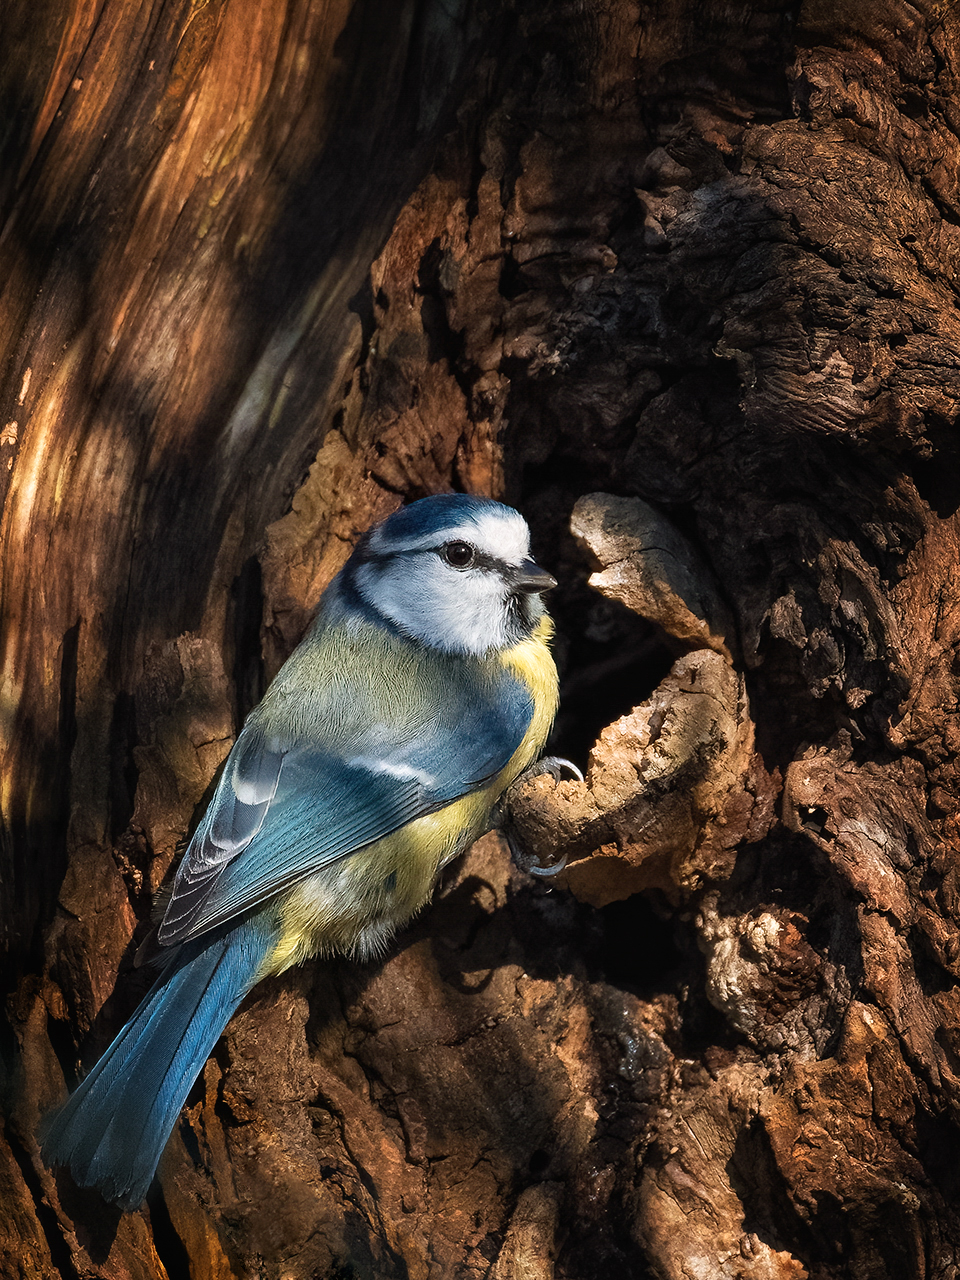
<point x="502" y="533"/>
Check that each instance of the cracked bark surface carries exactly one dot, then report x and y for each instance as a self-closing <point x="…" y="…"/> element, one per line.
<point x="680" y="282"/>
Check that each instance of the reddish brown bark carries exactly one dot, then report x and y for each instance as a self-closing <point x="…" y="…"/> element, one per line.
<point x="269" y="270"/>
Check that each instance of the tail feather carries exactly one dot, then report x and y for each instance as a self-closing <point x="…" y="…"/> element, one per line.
<point x="111" y="1132"/>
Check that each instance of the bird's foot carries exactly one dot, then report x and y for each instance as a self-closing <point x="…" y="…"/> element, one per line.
<point x="556" y="767"/>
<point x="527" y="862"/>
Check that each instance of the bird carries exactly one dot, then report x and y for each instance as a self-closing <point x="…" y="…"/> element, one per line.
<point x="423" y="688"/>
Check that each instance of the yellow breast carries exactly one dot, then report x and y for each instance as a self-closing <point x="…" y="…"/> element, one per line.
<point x="532" y="663"/>
<point x="357" y="904"/>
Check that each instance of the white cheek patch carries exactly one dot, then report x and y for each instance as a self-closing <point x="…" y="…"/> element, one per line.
<point x="458" y="612"/>
<point x="472" y="611"/>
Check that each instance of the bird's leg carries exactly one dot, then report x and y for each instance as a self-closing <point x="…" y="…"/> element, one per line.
<point x="556" y="767"/>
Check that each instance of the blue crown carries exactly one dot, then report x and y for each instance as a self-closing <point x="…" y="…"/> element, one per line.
<point x="432" y="515"/>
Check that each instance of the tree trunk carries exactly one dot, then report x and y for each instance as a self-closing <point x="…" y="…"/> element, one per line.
<point x="680" y="281"/>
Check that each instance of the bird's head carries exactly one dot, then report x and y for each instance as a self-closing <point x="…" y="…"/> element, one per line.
<point x="454" y="572"/>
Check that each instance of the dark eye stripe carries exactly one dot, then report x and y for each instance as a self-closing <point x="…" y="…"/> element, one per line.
<point x="481" y="559"/>
<point x="486" y="561"/>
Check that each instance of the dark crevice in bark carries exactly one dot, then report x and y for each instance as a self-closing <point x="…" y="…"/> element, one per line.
<point x="249" y="683"/>
<point x="171" y="1250"/>
<point x="53" y="1234"/>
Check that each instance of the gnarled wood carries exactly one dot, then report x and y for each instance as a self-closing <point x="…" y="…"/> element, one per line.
<point x="267" y="271"/>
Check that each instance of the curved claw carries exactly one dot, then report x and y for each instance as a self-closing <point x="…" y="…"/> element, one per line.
<point x="556" y="766"/>
<point x="528" y="865"/>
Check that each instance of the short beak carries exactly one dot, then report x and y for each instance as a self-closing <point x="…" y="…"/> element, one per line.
<point x="531" y="579"/>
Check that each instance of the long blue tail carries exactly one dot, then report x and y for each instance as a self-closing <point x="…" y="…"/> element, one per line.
<point x="111" y="1132"/>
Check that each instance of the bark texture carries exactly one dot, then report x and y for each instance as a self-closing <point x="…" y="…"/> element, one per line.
<point x="681" y="282"/>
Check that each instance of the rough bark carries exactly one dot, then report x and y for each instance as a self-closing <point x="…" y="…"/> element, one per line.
<point x="680" y="281"/>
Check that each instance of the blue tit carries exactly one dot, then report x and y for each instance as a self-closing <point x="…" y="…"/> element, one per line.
<point x="422" y="689"/>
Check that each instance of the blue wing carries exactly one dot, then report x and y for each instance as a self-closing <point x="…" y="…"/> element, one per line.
<point x="289" y="804"/>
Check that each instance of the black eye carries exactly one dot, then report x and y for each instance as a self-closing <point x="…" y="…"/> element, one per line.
<point x="459" y="554"/>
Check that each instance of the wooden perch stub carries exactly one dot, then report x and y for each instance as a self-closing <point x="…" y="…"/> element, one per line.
<point x="671" y="789"/>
